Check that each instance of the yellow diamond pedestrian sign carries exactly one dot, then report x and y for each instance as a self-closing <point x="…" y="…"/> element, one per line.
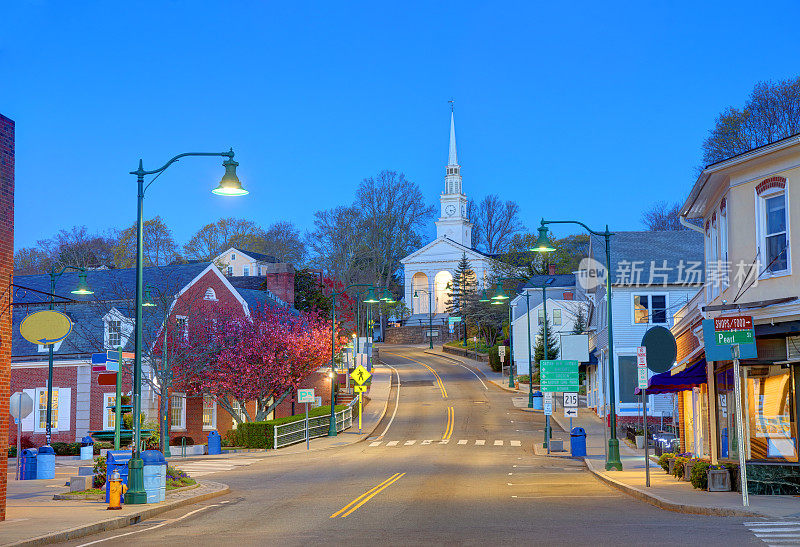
<point x="360" y="375"/>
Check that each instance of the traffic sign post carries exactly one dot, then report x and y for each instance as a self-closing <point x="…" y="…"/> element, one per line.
<point x="641" y="367"/>
<point x="306" y="396"/>
<point x="570" y="406"/>
<point x="20" y="405"/>
<point x="359" y="376"/>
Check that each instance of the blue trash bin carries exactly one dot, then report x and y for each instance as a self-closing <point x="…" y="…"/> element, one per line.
<point x="27" y="466"/>
<point x="155" y="475"/>
<point x="117" y="460"/>
<point x="214" y="443"/>
<point x="45" y="463"/>
<point x="538" y="400"/>
<point x="577" y="442"/>
<point x="87" y="448"/>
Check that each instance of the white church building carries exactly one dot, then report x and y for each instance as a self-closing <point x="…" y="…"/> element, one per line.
<point x="429" y="270"/>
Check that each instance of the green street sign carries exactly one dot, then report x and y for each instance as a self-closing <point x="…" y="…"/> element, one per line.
<point x="734" y="337"/>
<point x="558" y="375"/>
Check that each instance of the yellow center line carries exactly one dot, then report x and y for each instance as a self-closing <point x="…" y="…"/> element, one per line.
<point x="451" y="419"/>
<point x="366" y="496"/>
<point x="362" y="496"/>
<point x="365" y="500"/>
<point x="438" y="378"/>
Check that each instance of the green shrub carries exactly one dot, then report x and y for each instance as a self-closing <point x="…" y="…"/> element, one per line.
<point x="494" y="359"/>
<point x="66" y="449"/>
<point x="677" y="468"/>
<point x="699" y="474"/>
<point x="12" y="451"/>
<point x="102" y="445"/>
<point x="99" y="472"/>
<point x="663" y="460"/>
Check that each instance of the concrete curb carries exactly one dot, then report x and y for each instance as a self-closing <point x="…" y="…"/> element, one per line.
<point x="662" y="503"/>
<point x="218" y="489"/>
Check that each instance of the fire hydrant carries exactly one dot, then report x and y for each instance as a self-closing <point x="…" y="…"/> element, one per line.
<point x="115" y="491"/>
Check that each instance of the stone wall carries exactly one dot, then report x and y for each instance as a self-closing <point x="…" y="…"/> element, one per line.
<point x="416" y="335"/>
<point x="464" y="353"/>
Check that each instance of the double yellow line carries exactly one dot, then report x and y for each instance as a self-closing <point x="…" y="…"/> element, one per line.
<point x="366" y="496"/>
<point x="451" y="419"/>
<point x="438" y="378"/>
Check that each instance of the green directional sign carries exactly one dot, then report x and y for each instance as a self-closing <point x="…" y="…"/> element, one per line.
<point x="558" y="375"/>
<point x="734" y="337"/>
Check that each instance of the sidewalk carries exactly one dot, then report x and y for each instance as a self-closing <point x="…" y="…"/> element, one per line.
<point x="666" y="491"/>
<point x="33" y="517"/>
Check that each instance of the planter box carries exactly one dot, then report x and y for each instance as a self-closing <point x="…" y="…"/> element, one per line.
<point x="687" y="470"/>
<point x="640" y="442"/>
<point x="671" y="465"/>
<point x="719" y="480"/>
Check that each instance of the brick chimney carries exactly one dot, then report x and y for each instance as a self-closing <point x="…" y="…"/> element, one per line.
<point x="568" y="295"/>
<point x="551" y="269"/>
<point x="280" y="280"/>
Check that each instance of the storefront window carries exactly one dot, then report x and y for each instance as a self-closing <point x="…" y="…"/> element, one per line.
<point x="772" y="425"/>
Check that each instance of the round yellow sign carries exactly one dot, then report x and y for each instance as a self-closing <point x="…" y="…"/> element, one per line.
<point x="45" y="327"/>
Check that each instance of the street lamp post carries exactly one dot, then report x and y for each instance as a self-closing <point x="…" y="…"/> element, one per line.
<point x="82" y="288"/>
<point x="613" y="460"/>
<point x="228" y="186"/>
<point x="370" y="300"/>
<point x="430" y="316"/>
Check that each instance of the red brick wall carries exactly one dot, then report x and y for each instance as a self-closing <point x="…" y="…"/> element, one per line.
<point x="687" y="342"/>
<point x="6" y="269"/>
<point x="279" y="279"/>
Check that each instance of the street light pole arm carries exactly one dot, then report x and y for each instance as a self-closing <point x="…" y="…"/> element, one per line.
<point x="579" y="223"/>
<point x="141" y="172"/>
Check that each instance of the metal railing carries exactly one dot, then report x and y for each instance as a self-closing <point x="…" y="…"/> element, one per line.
<point x="295" y="432"/>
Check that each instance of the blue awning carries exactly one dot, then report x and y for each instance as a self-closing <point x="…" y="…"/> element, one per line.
<point x="692" y="376"/>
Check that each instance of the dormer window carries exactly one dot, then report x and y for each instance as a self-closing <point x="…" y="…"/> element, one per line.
<point x="117" y="329"/>
<point x="210" y="294"/>
<point x="114" y="333"/>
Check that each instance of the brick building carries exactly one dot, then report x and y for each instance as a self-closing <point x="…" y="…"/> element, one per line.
<point x="6" y="269"/>
<point x="247" y="269"/>
<point x="184" y="296"/>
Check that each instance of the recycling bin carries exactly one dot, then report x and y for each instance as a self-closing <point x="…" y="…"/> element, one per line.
<point x="45" y="463"/>
<point x="577" y="442"/>
<point x="214" y="443"/>
<point x="27" y="468"/>
<point x="155" y="475"/>
<point x="117" y="460"/>
<point x="87" y="448"/>
<point x="538" y="400"/>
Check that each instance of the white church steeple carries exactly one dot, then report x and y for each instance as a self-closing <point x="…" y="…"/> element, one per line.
<point x="454" y="223"/>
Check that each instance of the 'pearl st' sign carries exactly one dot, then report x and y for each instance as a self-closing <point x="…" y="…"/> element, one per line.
<point x="721" y="333"/>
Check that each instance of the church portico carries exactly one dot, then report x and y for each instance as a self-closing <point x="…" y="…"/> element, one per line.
<point x="429" y="270"/>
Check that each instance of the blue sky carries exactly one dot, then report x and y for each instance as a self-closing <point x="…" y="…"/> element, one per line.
<point x="588" y="110"/>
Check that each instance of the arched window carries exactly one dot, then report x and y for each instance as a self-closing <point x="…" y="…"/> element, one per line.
<point x="210" y="294"/>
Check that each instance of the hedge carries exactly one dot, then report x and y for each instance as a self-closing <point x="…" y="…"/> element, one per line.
<point x="260" y="434"/>
<point x="494" y="359"/>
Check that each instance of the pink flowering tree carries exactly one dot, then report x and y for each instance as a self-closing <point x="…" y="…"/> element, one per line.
<point x="263" y="358"/>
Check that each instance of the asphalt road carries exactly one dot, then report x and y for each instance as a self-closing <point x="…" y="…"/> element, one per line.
<point x="483" y="486"/>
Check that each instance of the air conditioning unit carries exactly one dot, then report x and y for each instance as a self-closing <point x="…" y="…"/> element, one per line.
<point x="793" y="348"/>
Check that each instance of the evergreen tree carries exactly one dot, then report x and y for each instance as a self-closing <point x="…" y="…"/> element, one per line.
<point x="552" y="344"/>
<point x="580" y="322"/>
<point x="462" y="288"/>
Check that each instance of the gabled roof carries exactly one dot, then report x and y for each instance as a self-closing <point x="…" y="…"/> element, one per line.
<point x="652" y="248"/>
<point x="113" y="289"/>
<point x="444" y="240"/>
<point x="258" y="257"/>
<point x="560" y="281"/>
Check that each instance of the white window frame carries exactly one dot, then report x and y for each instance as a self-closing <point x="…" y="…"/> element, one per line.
<point x="723" y="245"/>
<point x="649" y="307"/>
<point x="181" y="426"/>
<point x="61" y="413"/>
<point x="213" y="424"/>
<point x="230" y="270"/>
<point x="178" y="319"/>
<point x="539" y="316"/>
<point x="233" y="256"/>
<point x="237" y="409"/>
<point x="556" y="323"/>
<point x="108" y="415"/>
<point x="211" y="294"/>
<point x="245" y="270"/>
<point x="761" y="230"/>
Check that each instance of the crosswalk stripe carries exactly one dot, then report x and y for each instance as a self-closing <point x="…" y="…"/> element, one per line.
<point x="409" y="443"/>
<point x="376" y="443"/>
<point x="462" y="441"/>
<point x="392" y="443"/>
<point x="776" y="532"/>
<point x="427" y="441"/>
<point x="498" y="443"/>
<point x="444" y="441"/>
<point x="480" y="442"/>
